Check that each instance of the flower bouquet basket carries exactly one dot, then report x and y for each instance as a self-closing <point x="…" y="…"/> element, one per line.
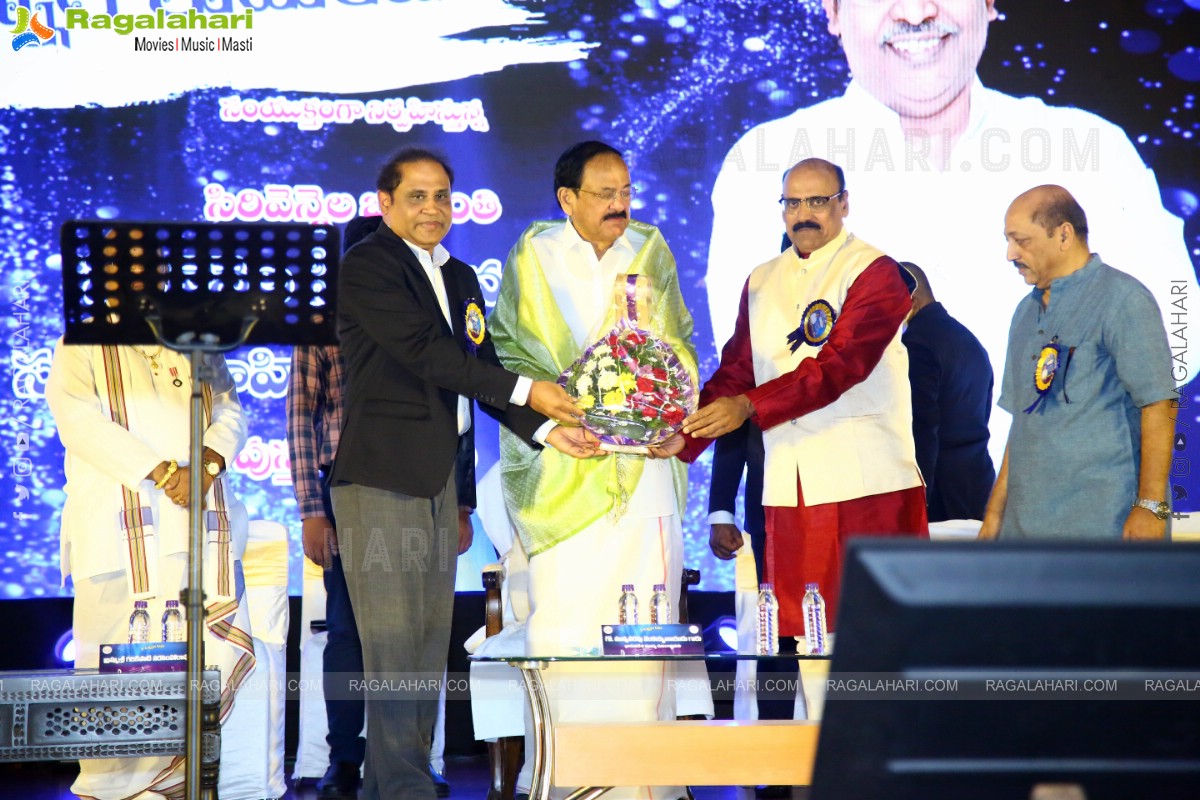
<point x="631" y="386"/>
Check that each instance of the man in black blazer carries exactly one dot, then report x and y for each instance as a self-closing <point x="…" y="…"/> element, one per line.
<point x="417" y="351"/>
<point x="951" y="379"/>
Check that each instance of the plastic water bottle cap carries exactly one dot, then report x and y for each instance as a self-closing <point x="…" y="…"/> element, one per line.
<point x="139" y="604"/>
<point x="660" y="587"/>
<point x="766" y="587"/>
<point x="627" y="587"/>
<point x="810" y="587"/>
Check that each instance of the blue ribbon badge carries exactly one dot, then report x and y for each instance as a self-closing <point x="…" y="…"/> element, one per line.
<point x="1044" y="371"/>
<point x="474" y="326"/>
<point x="815" y="325"/>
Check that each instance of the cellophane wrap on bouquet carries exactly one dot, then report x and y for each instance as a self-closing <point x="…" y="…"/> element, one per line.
<point x="631" y="386"/>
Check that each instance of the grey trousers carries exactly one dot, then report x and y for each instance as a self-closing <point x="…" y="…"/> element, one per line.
<point x="399" y="555"/>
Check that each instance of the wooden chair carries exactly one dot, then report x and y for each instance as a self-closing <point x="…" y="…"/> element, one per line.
<point x="506" y="754"/>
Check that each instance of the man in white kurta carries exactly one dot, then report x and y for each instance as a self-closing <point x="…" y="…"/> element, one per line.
<point x="611" y="528"/>
<point x="123" y="416"/>
<point x="920" y="137"/>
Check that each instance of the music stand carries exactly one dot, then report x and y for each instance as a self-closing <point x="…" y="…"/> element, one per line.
<point x="199" y="289"/>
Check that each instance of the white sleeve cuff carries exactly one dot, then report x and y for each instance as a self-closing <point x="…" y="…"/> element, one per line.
<point x="541" y="433"/>
<point x="721" y="518"/>
<point x="520" y="392"/>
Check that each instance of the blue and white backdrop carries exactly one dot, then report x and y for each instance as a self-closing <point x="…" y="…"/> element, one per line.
<point x="289" y="120"/>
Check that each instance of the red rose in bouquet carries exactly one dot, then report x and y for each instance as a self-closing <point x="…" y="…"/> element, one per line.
<point x="632" y="388"/>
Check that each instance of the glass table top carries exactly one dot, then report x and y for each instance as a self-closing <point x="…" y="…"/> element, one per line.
<point x="717" y="657"/>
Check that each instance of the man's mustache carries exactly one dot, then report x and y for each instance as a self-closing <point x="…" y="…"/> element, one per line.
<point x="805" y="223"/>
<point x="616" y="215"/>
<point x="933" y="26"/>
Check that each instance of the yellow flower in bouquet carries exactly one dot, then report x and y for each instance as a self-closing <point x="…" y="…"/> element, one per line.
<point x="631" y="387"/>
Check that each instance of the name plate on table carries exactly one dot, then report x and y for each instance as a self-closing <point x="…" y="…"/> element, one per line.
<point x="652" y="640"/>
<point x="144" y="657"/>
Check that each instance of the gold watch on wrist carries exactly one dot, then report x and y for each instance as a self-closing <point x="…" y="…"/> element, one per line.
<point x="1158" y="508"/>
<point x="212" y="468"/>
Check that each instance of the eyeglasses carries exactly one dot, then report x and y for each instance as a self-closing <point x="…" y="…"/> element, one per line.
<point x="608" y="195"/>
<point x="817" y="203"/>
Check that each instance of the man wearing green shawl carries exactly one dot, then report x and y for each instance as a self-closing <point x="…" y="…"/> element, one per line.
<point x="591" y="525"/>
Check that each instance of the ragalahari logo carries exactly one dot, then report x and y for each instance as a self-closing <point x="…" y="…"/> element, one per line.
<point x="29" y="30"/>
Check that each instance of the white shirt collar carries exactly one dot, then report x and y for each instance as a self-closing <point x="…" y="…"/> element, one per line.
<point x="981" y="100"/>
<point x="440" y="255"/>
<point x="571" y="240"/>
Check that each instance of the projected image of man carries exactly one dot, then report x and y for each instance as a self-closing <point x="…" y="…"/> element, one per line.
<point x="935" y="157"/>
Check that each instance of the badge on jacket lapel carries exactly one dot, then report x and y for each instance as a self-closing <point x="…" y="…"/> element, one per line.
<point x="815" y="325"/>
<point x="474" y="326"/>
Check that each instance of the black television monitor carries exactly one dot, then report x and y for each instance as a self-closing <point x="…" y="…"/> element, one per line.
<point x="978" y="671"/>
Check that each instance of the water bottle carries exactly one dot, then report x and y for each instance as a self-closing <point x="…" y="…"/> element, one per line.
<point x="627" y="607"/>
<point x="172" y="623"/>
<point x="815" y="634"/>
<point x="768" y="620"/>
<point x="660" y="606"/>
<point x="139" y="623"/>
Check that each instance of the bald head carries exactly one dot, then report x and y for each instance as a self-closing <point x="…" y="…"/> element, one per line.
<point x="922" y="295"/>
<point x="820" y="166"/>
<point x="1051" y="206"/>
<point x="922" y="280"/>
<point x="1046" y="231"/>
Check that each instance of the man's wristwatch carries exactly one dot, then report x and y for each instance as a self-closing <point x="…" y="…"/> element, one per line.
<point x="212" y="468"/>
<point x="1158" y="508"/>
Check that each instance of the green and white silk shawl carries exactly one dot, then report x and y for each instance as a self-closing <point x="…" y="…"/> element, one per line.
<point x="552" y="496"/>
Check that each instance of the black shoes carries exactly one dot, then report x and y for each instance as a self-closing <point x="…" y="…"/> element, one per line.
<point x="440" y="786"/>
<point x="340" y="782"/>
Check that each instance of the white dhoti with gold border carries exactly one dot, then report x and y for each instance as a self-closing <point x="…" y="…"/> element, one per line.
<point x="101" y="616"/>
<point x="574" y="588"/>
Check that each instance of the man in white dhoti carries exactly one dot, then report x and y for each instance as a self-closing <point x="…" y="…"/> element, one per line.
<point x="591" y="525"/>
<point x="123" y="416"/>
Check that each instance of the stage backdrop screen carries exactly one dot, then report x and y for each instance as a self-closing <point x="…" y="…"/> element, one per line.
<point x="283" y="110"/>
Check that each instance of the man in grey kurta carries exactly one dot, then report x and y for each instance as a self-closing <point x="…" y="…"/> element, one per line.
<point x="1088" y="382"/>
